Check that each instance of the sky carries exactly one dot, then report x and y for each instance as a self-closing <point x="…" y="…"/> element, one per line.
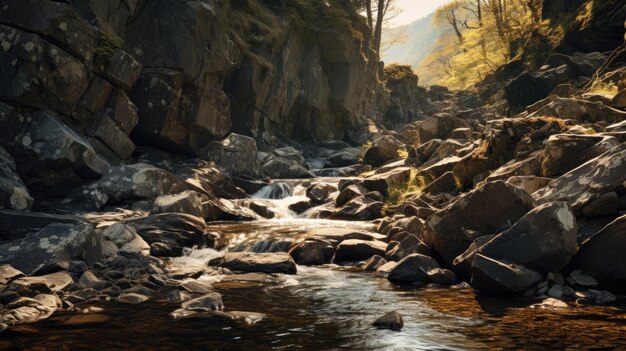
<point x="416" y="9"/>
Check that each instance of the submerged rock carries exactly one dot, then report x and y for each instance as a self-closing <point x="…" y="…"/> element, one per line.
<point x="392" y="320"/>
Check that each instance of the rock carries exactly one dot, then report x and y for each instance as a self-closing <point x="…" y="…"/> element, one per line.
<point x="564" y="152"/>
<point x="580" y="111"/>
<point x="444" y="184"/>
<point x="89" y="280"/>
<point x="282" y="168"/>
<point x="8" y="274"/>
<point x="413" y="268"/>
<point x="308" y="253"/>
<point x="529" y="166"/>
<point x="119" y="68"/>
<point x="581" y="64"/>
<point x="119" y="233"/>
<point x="583" y="280"/>
<point x="495" y="277"/>
<point x="53" y="248"/>
<point x="13" y="191"/>
<point x="529" y="183"/>
<point x="442" y="276"/>
<point x="383" y="149"/>
<point x="361" y="208"/>
<point x="279" y="262"/>
<point x="175" y="229"/>
<point x="105" y="130"/>
<point x="488" y="209"/>
<point x="132" y="298"/>
<point x="543" y="240"/>
<point x="602" y="297"/>
<point x="373" y="263"/>
<point x="439" y="126"/>
<point x="605" y="205"/>
<point x="320" y="192"/>
<point x="237" y="154"/>
<point x="601" y="256"/>
<point x="54" y="282"/>
<point x="344" y="158"/>
<point x="409" y="245"/>
<point x="588" y="182"/>
<point x="556" y="291"/>
<point x="384" y="270"/>
<point x="196" y="287"/>
<point x="528" y="88"/>
<point x="550" y="303"/>
<point x="137" y="181"/>
<point x="391" y="320"/>
<point x="208" y="302"/>
<point x="619" y="100"/>
<point x="51" y="157"/>
<point x="189" y="202"/>
<point x="349" y="193"/>
<point x="383" y="181"/>
<point x="353" y="250"/>
<point x="300" y="206"/>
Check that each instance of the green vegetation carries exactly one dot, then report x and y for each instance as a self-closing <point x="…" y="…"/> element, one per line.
<point x="604" y="88"/>
<point x="397" y="72"/>
<point x="400" y="192"/>
<point x="480" y="36"/>
<point x="109" y="42"/>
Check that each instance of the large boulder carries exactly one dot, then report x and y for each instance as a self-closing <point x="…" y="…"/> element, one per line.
<point x="352" y="250"/>
<point x="602" y="255"/>
<point x="587" y="182"/>
<point x="279" y="262"/>
<point x="177" y="229"/>
<point x="528" y="88"/>
<point x="135" y="182"/>
<point x="439" y="126"/>
<point x="50" y="156"/>
<point x="283" y="168"/>
<point x="564" y="152"/>
<point x="381" y="182"/>
<point x="237" y="154"/>
<point x="413" y="268"/>
<point x="13" y="192"/>
<point x="383" y="149"/>
<point x="53" y="248"/>
<point x="189" y="202"/>
<point x="16" y="225"/>
<point x="580" y="111"/>
<point x="543" y="240"/>
<point x="491" y="276"/>
<point x="486" y="210"/>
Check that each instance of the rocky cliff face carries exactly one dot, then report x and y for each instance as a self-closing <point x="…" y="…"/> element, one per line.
<point x="85" y="81"/>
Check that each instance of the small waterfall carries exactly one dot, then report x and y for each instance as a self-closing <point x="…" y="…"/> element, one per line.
<point x="274" y="191"/>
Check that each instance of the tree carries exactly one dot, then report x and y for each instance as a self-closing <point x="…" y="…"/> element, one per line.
<point x="384" y="10"/>
<point x="450" y="15"/>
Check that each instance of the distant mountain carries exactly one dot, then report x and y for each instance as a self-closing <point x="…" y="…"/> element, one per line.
<point x="420" y="37"/>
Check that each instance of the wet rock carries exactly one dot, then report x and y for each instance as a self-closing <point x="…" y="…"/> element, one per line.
<point x="384" y="270"/>
<point x="173" y="229"/>
<point x="8" y="274"/>
<point x="309" y="253"/>
<point x="189" y="202"/>
<point x="360" y="208"/>
<point x="349" y="193"/>
<point x="383" y="149"/>
<point x="320" y="192"/>
<point x="53" y="248"/>
<point x="353" y="250"/>
<point x="550" y="303"/>
<point x="237" y="154"/>
<point x="602" y="255"/>
<point x="13" y="191"/>
<point x="442" y="276"/>
<point x="409" y="245"/>
<point x="196" y="287"/>
<point x="486" y="210"/>
<point x="583" y="280"/>
<point x="413" y="268"/>
<point x="132" y="298"/>
<point x="392" y="320"/>
<point x="496" y="277"/>
<point x="373" y="263"/>
<point x="279" y="262"/>
<point x="543" y="240"/>
<point x="588" y="182"/>
<point x="282" y="168"/>
<point x="555" y="291"/>
<point x="54" y="282"/>
<point x="208" y="302"/>
<point x="300" y="206"/>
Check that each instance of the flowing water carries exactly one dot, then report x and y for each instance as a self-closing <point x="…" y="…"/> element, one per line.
<point x="323" y="308"/>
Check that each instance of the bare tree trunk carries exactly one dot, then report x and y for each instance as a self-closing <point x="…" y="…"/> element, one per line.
<point x="480" y="12"/>
<point x="370" y="18"/>
<point x="378" y="32"/>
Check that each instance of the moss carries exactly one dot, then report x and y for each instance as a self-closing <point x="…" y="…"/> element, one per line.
<point x="108" y="43"/>
<point x="396" y="72"/>
<point x="398" y="193"/>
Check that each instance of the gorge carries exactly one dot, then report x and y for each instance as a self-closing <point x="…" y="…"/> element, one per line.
<point x="248" y="174"/>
